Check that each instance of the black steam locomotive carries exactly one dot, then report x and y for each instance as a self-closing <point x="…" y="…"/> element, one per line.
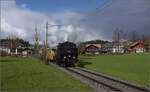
<point x="66" y="54"/>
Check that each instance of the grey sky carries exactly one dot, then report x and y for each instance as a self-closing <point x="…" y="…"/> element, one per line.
<point x="128" y="15"/>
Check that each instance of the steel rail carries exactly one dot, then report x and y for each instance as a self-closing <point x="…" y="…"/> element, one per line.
<point x="115" y="80"/>
<point x="90" y="78"/>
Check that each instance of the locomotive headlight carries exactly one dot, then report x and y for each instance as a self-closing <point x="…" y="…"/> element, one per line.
<point x="69" y="55"/>
<point x="64" y="57"/>
<point x="74" y="57"/>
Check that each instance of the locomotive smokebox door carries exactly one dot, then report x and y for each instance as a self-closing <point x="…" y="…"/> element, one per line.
<point x="67" y="54"/>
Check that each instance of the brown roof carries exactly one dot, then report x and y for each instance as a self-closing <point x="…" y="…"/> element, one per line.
<point x="135" y="43"/>
<point x="96" y="45"/>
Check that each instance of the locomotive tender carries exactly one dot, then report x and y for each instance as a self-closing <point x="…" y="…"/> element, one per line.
<point x="66" y="54"/>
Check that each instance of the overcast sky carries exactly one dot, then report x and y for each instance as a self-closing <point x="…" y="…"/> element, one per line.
<point x="81" y="20"/>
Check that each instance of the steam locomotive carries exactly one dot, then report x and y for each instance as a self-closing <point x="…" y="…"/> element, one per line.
<point x="65" y="55"/>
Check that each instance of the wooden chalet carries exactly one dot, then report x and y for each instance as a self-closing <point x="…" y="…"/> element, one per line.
<point x="92" y="48"/>
<point x="137" y="47"/>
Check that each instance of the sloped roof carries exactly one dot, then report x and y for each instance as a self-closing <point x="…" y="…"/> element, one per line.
<point x="27" y="49"/>
<point x="96" y="45"/>
<point x="135" y="43"/>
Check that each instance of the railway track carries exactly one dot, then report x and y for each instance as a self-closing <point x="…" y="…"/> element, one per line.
<point x="101" y="82"/>
<point x="107" y="83"/>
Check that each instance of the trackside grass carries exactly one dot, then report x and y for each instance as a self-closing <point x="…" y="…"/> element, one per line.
<point x="131" y="67"/>
<point x="29" y="74"/>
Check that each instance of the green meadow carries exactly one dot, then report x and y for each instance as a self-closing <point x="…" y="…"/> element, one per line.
<point x="131" y="67"/>
<point x="29" y="74"/>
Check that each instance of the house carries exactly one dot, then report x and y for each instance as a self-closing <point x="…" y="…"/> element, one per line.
<point x="107" y="49"/>
<point x="24" y="51"/>
<point x="118" y="48"/>
<point x="137" y="47"/>
<point x="27" y="52"/>
<point x="92" y="48"/>
<point x="18" y="51"/>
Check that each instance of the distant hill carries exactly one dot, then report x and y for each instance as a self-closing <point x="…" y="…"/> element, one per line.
<point x="96" y="42"/>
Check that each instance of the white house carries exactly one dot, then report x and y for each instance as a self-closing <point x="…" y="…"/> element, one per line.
<point x="118" y="49"/>
<point x="27" y="52"/>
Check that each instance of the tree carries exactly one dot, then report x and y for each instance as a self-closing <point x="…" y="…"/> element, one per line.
<point x="12" y="43"/>
<point x="118" y="37"/>
<point x="134" y="36"/>
<point x="145" y="40"/>
<point x="36" y="41"/>
<point x="81" y="48"/>
<point x="23" y="42"/>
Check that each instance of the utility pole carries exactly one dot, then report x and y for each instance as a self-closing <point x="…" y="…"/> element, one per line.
<point x="46" y="40"/>
<point x="48" y="25"/>
<point x="36" y="35"/>
<point x="46" y="34"/>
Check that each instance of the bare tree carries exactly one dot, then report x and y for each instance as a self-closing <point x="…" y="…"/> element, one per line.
<point x="36" y="41"/>
<point x="146" y="41"/>
<point x="134" y="36"/>
<point x="12" y="44"/>
<point x="118" y="37"/>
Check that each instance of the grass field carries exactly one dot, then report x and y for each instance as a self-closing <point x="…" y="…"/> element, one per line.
<point x="131" y="67"/>
<point x="28" y="74"/>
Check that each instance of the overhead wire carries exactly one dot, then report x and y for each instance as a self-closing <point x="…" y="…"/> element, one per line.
<point x="97" y="10"/>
